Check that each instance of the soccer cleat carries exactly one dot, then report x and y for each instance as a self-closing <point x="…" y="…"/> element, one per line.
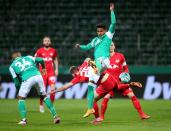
<point x="41" y="109"/>
<point x="57" y="120"/>
<point x="97" y="121"/>
<point x="136" y="84"/>
<point x="144" y="116"/>
<point x="89" y="112"/>
<point x="22" y="122"/>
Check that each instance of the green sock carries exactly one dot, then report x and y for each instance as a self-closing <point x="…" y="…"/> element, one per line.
<point x="90" y="96"/>
<point x="50" y="106"/>
<point x="22" y="108"/>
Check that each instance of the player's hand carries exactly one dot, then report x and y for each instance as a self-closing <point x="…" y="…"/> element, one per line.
<point x="56" y="72"/>
<point x="77" y="45"/>
<point x="112" y="6"/>
<point x="43" y="71"/>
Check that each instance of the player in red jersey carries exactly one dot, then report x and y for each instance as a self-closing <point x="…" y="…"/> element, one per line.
<point x="119" y="67"/>
<point x="106" y="82"/>
<point x="49" y="55"/>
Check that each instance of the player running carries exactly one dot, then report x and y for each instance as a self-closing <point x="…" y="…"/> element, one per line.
<point x="49" y="55"/>
<point x="101" y="45"/>
<point x="25" y="75"/>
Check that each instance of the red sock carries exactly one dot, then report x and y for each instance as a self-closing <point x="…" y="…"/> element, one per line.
<point x="136" y="104"/>
<point x="104" y="107"/>
<point x="52" y="97"/>
<point x="41" y="101"/>
<point x="96" y="108"/>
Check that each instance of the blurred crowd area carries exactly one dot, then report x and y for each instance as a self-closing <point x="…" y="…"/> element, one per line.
<point x="143" y="28"/>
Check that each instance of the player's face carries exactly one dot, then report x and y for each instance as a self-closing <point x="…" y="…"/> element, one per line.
<point x="46" y="42"/>
<point x="112" y="47"/>
<point x="100" y="32"/>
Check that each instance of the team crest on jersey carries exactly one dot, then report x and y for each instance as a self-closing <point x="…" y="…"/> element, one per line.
<point x="117" y="60"/>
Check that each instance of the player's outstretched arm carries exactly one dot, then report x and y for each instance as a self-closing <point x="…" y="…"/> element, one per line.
<point x="85" y="47"/>
<point x="63" y="88"/>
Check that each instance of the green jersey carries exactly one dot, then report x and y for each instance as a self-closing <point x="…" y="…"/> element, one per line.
<point x="25" y="67"/>
<point x="102" y="44"/>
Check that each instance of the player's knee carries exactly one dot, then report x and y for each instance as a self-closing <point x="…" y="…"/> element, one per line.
<point x="107" y="96"/>
<point x="21" y="98"/>
<point x="42" y="96"/>
<point x="130" y="95"/>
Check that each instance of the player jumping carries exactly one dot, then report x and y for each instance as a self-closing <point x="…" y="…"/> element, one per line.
<point x="101" y="45"/>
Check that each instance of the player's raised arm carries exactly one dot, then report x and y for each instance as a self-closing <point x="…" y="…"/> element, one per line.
<point x="113" y="22"/>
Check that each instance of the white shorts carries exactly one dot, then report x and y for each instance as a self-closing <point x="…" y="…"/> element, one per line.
<point x="105" y="62"/>
<point x="28" y="84"/>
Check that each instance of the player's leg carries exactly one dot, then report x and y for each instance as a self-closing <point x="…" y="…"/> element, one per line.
<point x="90" y="99"/>
<point x="41" y="108"/>
<point x="51" y="82"/>
<point x="96" y="109"/>
<point x="98" y="94"/>
<point x="129" y="92"/>
<point x="47" y="101"/>
<point x="104" y="104"/>
<point x="22" y="94"/>
<point x="93" y="78"/>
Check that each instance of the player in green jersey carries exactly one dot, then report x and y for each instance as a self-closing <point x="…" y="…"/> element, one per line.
<point x="101" y="45"/>
<point x="25" y="75"/>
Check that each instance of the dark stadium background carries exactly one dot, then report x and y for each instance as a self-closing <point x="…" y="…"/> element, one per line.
<point x="143" y="34"/>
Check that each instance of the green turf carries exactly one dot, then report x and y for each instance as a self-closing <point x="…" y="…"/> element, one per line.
<point x="120" y="116"/>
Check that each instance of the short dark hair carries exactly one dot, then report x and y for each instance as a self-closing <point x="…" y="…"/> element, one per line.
<point x="100" y="25"/>
<point x="72" y="69"/>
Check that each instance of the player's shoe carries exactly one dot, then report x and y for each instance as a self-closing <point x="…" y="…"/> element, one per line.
<point x="136" y="84"/>
<point x="89" y="112"/>
<point x="144" y="116"/>
<point x="22" y="122"/>
<point x="97" y="121"/>
<point x="57" y="120"/>
<point x="41" y="109"/>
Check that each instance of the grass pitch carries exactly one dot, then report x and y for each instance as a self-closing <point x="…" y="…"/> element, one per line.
<point x="120" y="116"/>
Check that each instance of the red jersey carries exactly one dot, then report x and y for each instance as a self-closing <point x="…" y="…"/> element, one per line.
<point x="83" y="74"/>
<point x="48" y="56"/>
<point x="118" y="63"/>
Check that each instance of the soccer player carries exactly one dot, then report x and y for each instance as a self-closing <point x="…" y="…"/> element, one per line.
<point x="101" y="45"/>
<point x="49" y="55"/>
<point x="25" y="75"/>
<point x="81" y="74"/>
<point x="119" y="68"/>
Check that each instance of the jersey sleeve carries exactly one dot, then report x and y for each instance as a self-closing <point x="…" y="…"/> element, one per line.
<point x="124" y="64"/>
<point x="14" y="75"/>
<point x="88" y="46"/>
<point x="55" y="54"/>
<point x="111" y="30"/>
<point x="41" y="61"/>
<point x="15" y="78"/>
<point x="33" y="58"/>
<point x="75" y="80"/>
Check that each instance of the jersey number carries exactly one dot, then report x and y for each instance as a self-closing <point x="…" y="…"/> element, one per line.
<point x="84" y="72"/>
<point x="22" y="65"/>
